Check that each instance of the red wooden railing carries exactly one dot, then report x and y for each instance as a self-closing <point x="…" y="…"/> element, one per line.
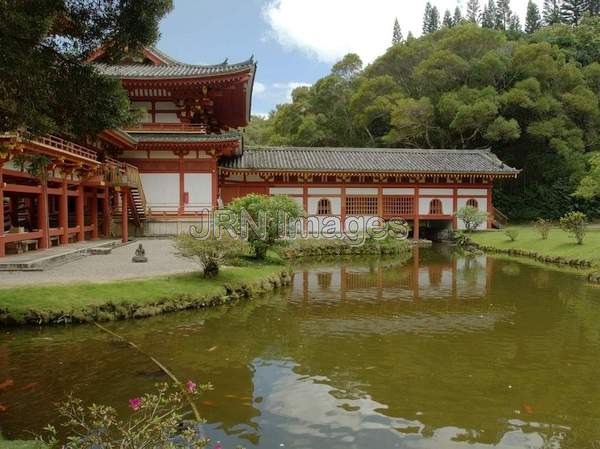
<point x="64" y="145"/>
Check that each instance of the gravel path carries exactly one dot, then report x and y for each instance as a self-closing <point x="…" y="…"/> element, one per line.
<point x="115" y="266"/>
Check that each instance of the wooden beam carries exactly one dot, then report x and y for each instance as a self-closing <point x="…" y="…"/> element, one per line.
<point x="94" y="213"/>
<point x="18" y="188"/>
<point x="43" y="225"/>
<point x="63" y="214"/>
<point x="80" y="214"/>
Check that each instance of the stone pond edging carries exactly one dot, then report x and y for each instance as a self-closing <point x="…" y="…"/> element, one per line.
<point x="556" y="260"/>
<point x="112" y="311"/>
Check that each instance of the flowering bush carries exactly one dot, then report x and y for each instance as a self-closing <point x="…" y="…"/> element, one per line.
<point x="156" y="421"/>
<point x="575" y="223"/>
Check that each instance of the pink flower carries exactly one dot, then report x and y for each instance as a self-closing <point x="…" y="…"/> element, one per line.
<point x="135" y="403"/>
<point x="218" y="446"/>
<point x="191" y="387"/>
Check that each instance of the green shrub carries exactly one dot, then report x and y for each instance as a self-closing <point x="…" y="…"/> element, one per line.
<point x="575" y="223"/>
<point x="512" y="234"/>
<point x="543" y="226"/>
<point x="268" y="213"/>
<point x="210" y="252"/>
<point x="461" y="238"/>
<point x="471" y="217"/>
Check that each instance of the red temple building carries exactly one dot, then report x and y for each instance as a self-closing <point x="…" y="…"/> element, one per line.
<point x="187" y="157"/>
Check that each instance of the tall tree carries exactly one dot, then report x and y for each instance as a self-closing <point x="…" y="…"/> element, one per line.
<point x="572" y="11"/>
<point x="488" y="18"/>
<point x="427" y="18"/>
<point x="551" y="12"/>
<point x="457" y="18"/>
<point x="503" y="14"/>
<point x="593" y="7"/>
<point x="447" y="21"/>
<point x="45" y="83"/>
<point x="434" y="22"/>
<point x="473" y="11"/>
<point x="431" y="19"/>
<point x="514" y="25"/>
<point x="533" y="20"/>
<point x="397" y="37"/>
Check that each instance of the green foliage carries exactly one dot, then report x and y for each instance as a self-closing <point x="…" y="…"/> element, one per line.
<point x="543" y="227"/>
<point x="210" y="252"/>
<point x="471" y="217"/>
<point x="535" y="102"/>
<point x="397" y="37"/>
<point x="533" y="20"/>
<point x="45" y="83"/>
<point x="461" y="238"/>
<point x="575" y="223"/>
<point x="155" y="420"/>
<point x="512" y="234"/>
<point x="431" y="19"/>
<point x="268" y="214"/>
<point x="590" y="184"/>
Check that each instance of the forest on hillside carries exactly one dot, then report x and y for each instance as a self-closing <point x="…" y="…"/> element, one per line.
<point x="533" y="98"/>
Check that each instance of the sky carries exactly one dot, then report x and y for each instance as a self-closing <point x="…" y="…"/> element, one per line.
<point x="294" y="41"/>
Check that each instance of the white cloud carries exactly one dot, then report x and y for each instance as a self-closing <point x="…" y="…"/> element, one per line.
<point x="288" y="88"/>
<point x="259" y="88"/>
<point x="328" y="29"/>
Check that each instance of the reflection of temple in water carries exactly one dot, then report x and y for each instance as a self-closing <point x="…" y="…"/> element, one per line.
<point x="454" y="278"/>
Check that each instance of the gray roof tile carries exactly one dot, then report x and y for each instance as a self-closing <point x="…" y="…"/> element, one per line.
<point x="172" y="69"/>
<point x="144" y="137"/>
<point x="369" y="160"/>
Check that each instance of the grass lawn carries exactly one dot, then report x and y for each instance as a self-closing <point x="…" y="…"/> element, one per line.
<point x="559" y="243"/>
<point x="64" y="298"/>
<point x="6" y="444"/>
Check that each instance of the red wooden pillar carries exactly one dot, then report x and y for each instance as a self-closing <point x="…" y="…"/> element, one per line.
<point x="181" y="185"/>
<point x="416" y="223"/>
<point x="43" y="216"/>
<point x="490" y="209"/>
<point x="106" y="216"/>
<point x="343" y="210"/>
<point x="454" y="208"/>
<point x="63" y="214"/>
<point x="80" y="213"/>
<point x="2" y="247"/>
<point x="124" y="215"/>
<point x="94" y="213"/>
<point x="215" y="185"/>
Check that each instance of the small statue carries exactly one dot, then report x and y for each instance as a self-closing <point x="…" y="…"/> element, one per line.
<point x="140" y="255"/>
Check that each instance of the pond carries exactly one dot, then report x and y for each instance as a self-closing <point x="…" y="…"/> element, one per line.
<point x="446" y="351"/>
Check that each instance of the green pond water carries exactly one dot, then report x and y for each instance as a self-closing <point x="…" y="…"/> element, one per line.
<point x="445" y="351"/>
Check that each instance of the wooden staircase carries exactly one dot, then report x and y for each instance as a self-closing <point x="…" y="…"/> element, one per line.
<point x="499" y="220"/>
<point x="127" y="176"/>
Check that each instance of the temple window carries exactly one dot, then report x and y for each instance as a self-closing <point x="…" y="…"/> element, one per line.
<point x="395" y="206"/>
<point x="435" y="207"/>
<point x="473" y="203"/>
<point x="324" y="207"/>
<point x="362" y="205"/>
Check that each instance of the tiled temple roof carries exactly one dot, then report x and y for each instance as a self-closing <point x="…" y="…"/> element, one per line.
<point x="173" y="69"/>
<point x="161" y="137"/>
<point x="369" y="160"/>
